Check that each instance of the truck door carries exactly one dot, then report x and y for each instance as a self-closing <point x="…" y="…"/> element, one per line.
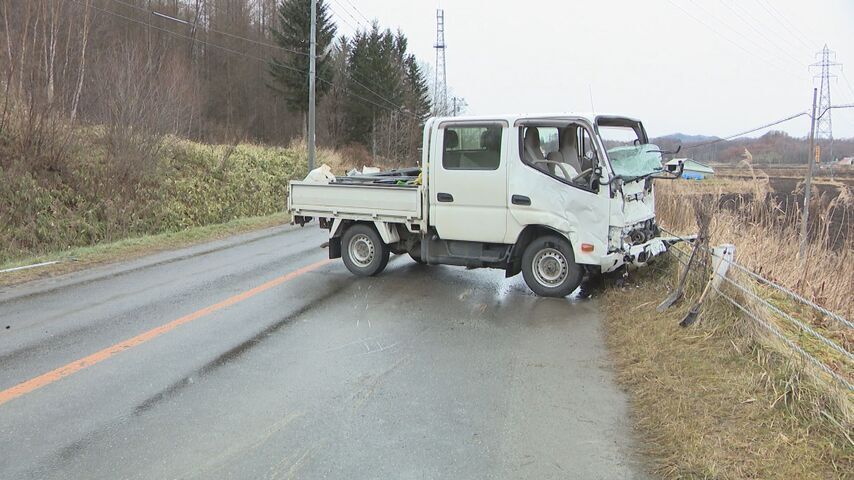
<point x="468" y="185"/>
<point x="548" y="186"/>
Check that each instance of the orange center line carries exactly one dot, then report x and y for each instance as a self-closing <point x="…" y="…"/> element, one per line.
<point x="97" y="357"/>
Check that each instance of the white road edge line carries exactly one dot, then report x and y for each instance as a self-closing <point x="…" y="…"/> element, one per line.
<point x="27" y="267"/>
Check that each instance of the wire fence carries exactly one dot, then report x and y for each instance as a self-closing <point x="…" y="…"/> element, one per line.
<point x="756" y="307"/>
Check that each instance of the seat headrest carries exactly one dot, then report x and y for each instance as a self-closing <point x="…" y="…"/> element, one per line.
<point x="452" y="139"/>
<point x="532" y="138"/>
<point x="532" y="145"/>
<point x="490" y="139"/>
<point x="569" y="139"/>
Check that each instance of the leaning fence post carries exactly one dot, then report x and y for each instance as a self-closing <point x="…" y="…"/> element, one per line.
<point x="722" y="258"/>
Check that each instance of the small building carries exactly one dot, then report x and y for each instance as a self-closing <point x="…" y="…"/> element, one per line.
<point x="844" y="162"/>
<point x="692" y="169"/>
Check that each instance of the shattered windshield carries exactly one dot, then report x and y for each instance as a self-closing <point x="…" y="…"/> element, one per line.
<point x="625" y="143"/>
<point x="635" y="161"/>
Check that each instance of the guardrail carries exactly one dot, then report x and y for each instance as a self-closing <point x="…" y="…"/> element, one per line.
<point x="756" y="307"/>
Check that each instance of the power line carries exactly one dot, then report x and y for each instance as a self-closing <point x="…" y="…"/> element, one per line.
<point x="341" y="17"/>
<point x="187" y="37"/>
<point x="358" y="11"/>
<point x="263" y="60"/>
<point x="728" y="39"/>
<point x="238" y="37"/>
<point x="780" y="17"/>
<point x="354" y="76"/>
<point x="765" y="51"/>
<point x="730" y="137"/>
<point x="350" y="74"/>
<point x="732" y="7"/>
<point x="396" y="106"/>
<point x="344" y="9"/>
<point x="848" y="83"/>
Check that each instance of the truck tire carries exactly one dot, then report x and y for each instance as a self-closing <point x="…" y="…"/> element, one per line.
<point x="363" y="251"/>
<point x="549" y="268"/>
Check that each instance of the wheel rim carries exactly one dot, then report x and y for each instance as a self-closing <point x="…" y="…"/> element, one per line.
<point x="361" y="250"/>
<point x="550" y="267"/>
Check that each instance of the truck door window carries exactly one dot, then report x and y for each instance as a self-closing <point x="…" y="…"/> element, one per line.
<point x="560" y="152"/>
<point x="472" y="147"/>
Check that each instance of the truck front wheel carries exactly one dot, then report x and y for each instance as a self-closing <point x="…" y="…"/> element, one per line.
<point x="363" y="251"/>
<point x="549" y="268"/>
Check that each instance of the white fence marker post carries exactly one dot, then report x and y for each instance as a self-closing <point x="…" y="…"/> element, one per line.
<point x="722" y="258"/>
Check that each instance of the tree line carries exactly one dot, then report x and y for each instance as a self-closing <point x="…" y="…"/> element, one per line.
<point x="773" y="148"/>
<point x="217" y="71"/>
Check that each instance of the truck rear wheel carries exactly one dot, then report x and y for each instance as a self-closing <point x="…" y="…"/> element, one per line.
<point x="363" y="251"/>
<point x="549" y="268"/>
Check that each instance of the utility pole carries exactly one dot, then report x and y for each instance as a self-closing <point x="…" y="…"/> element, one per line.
<point x="440" y="83"/>
<point x="458" y="104"/>
<point x="824" y="123"/>
<point x="374" y="138"/>
<point x="312" y="73"/>
<point x="805" y="216"/>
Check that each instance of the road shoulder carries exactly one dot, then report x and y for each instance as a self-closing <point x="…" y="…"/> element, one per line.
<point x="104" y="260"/>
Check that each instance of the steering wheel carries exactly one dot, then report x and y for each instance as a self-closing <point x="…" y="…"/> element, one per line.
<point x="558" y="164"/>
<point x="584" y="173"/>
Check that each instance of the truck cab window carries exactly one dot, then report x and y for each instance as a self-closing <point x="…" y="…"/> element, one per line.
<point x="472" y="147"/>
<point x="560" y="152"/>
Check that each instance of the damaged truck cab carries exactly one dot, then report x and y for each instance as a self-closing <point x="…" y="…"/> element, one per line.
<point x="550" y="196"/>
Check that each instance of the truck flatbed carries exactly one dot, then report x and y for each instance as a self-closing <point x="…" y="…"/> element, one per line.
<point x="367" y="201"/>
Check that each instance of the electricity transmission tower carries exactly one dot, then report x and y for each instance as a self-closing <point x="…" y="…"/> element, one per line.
<point x="440" y="84"/>
<point x="824" y="124"/>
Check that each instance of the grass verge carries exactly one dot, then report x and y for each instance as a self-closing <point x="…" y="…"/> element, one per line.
<point x="708" y="400"/>
<point x="80" y="258"/>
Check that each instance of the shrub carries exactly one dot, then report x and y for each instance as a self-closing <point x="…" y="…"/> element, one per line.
<point x="190" y="185"/>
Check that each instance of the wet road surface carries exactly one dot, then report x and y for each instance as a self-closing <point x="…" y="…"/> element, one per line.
<point x="252" y="358"/>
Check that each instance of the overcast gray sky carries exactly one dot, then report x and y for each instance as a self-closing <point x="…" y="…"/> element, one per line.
<point x="735" y="65"/>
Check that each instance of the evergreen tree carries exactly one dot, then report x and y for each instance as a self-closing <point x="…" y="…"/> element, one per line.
<point x="290" y="73"/>
<point x="418" y="90"/>
<point x="375" y="81"/>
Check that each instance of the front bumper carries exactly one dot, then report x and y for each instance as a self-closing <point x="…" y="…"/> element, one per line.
<point x="640" y="255"/>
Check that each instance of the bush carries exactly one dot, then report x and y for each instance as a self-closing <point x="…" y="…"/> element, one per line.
<point x="190" y="185"/>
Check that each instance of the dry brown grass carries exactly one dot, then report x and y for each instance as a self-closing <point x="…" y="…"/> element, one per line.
<point x="766" y="239"/>
<point x="725" y="399"/>
<point x="766" y="235"/>
<point x="711" y="401"/>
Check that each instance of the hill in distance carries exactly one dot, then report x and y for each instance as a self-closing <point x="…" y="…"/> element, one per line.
<point x="774" y="147"/>
<point x="684" y="138"/>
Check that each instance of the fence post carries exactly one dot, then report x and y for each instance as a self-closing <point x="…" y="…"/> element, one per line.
<point x="722" y="258"/>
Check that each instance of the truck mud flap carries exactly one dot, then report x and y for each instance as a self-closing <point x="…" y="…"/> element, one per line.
<point x="335" y="247"/>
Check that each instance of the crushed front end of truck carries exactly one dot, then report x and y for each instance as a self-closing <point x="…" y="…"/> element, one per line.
<point x="634" y="237"/>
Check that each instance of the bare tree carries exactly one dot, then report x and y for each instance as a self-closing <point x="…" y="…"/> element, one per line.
<point x="81" y="71"/>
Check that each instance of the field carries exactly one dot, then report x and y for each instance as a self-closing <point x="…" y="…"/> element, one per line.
<point x="761" y="215"/>
<point x="754" y="216"/>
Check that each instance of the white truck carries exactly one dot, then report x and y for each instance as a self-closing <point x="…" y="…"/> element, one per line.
<point x="553" y="196"/>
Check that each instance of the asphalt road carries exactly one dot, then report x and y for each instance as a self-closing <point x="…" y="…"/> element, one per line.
<point x="253" y="358"/>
